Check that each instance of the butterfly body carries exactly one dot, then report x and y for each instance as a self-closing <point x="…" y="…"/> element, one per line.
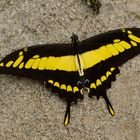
<point x="68" y="69"/>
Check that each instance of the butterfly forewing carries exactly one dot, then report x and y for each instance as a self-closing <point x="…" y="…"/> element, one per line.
<point x="114" y="47"/>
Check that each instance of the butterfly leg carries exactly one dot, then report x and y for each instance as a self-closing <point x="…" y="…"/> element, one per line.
<point x="109" y="106"/>
<point x="67" y="114"/>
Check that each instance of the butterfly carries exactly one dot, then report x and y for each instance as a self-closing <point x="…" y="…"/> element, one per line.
<point x="69" y="69"/>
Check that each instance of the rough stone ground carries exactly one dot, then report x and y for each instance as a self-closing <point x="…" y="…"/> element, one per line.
<point x="28" y="111"/>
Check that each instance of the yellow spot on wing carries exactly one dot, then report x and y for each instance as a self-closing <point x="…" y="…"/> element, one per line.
<point x="21" y="53"/>
<point x="36" y="63"/>
<point x="125" y="44"/>
<point x="56" y="84"/>
<point x="29" y="63"/>
<point x="98" y="82"/>
<point x="92" y="85"/>
<point x="63" y="86"/>
<point x="116" y="40"/>
<point x="112" y="69"/>
<point x="134" y="38"/>
<point x="75" y="89"/>
<point x="1" y="64"/>
<point x="108" y="73"/>
<point x="133" y="43"/>
<point x="129" y="32"/>
<point x="9" y="63"/>
<point x="18" y="61"/>
<point x="36" y="56"/>
<point x="112" y="49"/>
<point x="69" y="88"/>
<point x="50" y="81"/>
<point x="21" y="65"/>
<point x="25" y="49"/>
<point x="103" y="78"/>
<point x="42" y="63"/>
<point x="66" y="120"/>
<point x="119" y="47"/>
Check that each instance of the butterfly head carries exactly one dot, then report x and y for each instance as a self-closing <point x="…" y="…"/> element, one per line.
<point x="75" y="40"/>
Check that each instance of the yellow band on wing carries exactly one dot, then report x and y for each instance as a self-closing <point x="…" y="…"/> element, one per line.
<point x="67" y="63"/>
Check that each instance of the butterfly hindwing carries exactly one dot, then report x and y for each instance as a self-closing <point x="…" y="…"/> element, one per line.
<point x="99" y="80"/>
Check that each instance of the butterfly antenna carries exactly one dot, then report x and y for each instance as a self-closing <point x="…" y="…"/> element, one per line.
<point x="65" y="28"/>
<point x="85" y="17"/>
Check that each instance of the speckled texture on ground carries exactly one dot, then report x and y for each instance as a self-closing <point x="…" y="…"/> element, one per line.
<point x="28" y="111"/>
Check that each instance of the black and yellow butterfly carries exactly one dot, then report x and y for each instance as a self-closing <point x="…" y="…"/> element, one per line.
<point x="68" y="69"/>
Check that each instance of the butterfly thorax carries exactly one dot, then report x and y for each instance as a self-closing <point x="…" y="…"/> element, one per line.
<point x="75" y="44"/>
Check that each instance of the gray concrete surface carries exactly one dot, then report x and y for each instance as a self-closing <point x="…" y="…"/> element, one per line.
<point x="28" y="111"/>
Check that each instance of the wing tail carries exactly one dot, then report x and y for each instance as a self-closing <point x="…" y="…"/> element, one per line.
<point x="109" y="106"/>
<point x="67" y="114"/>
<point x="99" y="89"/>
